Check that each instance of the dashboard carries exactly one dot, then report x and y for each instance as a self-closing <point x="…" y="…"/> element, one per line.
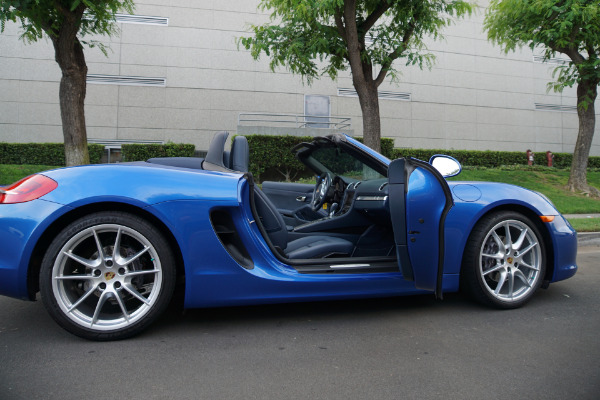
<point x="359" y="204"/>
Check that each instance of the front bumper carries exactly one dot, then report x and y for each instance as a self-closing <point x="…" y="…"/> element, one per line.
<point x="564" y="241"/>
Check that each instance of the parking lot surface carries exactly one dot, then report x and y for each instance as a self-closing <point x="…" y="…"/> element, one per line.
<point x="411" y="347"/>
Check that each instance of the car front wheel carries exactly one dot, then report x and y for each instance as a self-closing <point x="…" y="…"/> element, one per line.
<point x="504" y="262"/>
<point x="107" y="276"/>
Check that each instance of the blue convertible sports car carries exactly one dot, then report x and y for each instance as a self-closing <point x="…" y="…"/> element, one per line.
<point x="108" y="245"/>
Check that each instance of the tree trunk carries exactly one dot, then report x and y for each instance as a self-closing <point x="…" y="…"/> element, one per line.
<point x="369" y="105"/>
<point x="69" y="56"/>
<point x="587" y="122"/>
<point x="362" y="78"/>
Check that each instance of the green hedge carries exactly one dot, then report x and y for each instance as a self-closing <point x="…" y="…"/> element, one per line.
<point x="387" y="147"/>
<point x="42" y="153"/>
<point x="142" y="152"/>
<point x="563" y="160"/>
<point x="492" y="159"/>
<point x="272" y="155"/>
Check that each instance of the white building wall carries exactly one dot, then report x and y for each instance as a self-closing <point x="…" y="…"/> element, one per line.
<point x="475" y="97"/>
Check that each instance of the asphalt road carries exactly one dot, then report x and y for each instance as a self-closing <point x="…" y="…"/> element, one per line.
<point x="410" y="348"/>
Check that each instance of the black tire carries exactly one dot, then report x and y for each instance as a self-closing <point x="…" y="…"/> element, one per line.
<point x="500" y="270"/>
<point x="113" y="295"/>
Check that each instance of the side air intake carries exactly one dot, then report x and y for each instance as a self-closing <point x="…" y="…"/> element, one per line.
<point x="230" y="239"/>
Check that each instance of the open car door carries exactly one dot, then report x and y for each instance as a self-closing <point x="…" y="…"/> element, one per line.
<point x="419" y="202"/>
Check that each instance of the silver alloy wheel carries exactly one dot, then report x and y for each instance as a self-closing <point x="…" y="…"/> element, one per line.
<point x="107" y="277"/>
<point x="510" y="261"/>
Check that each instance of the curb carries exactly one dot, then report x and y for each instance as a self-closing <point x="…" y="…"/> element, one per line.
<point x="588" y="239"/>
<point x="580" y="216"/>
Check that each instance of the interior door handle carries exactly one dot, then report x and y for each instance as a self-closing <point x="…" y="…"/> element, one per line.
<point x="301" y="198"/>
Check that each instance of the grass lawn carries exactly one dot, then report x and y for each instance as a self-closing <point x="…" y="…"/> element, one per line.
<point x="586" y="224"/>
<point x="12" y="173"/>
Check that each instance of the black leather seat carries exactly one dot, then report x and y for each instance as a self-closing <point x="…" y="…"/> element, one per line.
<point x="317" y="246"/>
<point x="237" y="159"/>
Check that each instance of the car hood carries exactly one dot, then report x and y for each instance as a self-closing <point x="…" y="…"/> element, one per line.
<point x="500" y="193"/>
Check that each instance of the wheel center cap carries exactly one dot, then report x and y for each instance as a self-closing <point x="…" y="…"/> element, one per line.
<point x="510" y="260"/>
<point x="109" y="275"/>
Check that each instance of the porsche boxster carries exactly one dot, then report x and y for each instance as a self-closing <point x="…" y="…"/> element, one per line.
<point x="107" y="246"/>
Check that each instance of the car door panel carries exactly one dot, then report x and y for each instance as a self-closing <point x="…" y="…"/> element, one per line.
<point x="419" y="201"/>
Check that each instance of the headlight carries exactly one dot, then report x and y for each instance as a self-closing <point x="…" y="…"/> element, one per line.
<point x="546" y="198"/>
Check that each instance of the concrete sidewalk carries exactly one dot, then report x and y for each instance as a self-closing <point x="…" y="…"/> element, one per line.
<point x="577" y="216"/>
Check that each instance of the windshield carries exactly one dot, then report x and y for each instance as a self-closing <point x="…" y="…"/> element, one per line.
<point x="342" y="163"/>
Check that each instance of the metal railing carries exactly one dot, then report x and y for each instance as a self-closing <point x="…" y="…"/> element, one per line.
<point x="295" y="120"/>
<point x="112" y="145"/>
<point x="116" y="143"/>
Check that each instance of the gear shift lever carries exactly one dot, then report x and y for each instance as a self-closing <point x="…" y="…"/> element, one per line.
<point x="333" y="209"/>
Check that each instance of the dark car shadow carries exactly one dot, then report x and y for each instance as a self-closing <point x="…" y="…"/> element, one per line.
<point x="177" y="320"/>
<point x="275" y="314"/>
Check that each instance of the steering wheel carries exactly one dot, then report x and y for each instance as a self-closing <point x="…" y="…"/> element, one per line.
<point x="320" y="192"/>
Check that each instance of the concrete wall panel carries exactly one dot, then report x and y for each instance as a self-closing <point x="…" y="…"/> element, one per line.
<point x="101" y="116"/>
<point x="10" y="113"/>
<point x="39" y="113"/>
<point x="137" y="96"/>
<point x="99" y="95"/>
<point x="102" y="132"/>
<point x="143" y="117"/>
<point x="474" y="97"/>
<point x="187" y="119"/>
<point x="39" y="133"/>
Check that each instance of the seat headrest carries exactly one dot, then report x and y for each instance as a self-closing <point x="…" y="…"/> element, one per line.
<point x="240" y="154"/>
<point x="216" y="149"/>
<point x="218" y="159"/>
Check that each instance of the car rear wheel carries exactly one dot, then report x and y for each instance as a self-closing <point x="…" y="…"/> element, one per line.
<point x="107" y="276"/>
<point x="504" y="261"/>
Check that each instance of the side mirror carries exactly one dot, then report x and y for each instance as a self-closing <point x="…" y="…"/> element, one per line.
<point x="446" y="165"/>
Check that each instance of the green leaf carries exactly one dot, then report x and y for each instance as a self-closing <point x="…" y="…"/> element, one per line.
<point x="304" y="31"/>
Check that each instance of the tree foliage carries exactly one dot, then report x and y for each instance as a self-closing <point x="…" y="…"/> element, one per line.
<point x="308" y="36"/>
<point x="67" y="23"/>
<point x="322" y="37"/>
<point x="39" y="17"/>
<point x="569" y="27"/>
